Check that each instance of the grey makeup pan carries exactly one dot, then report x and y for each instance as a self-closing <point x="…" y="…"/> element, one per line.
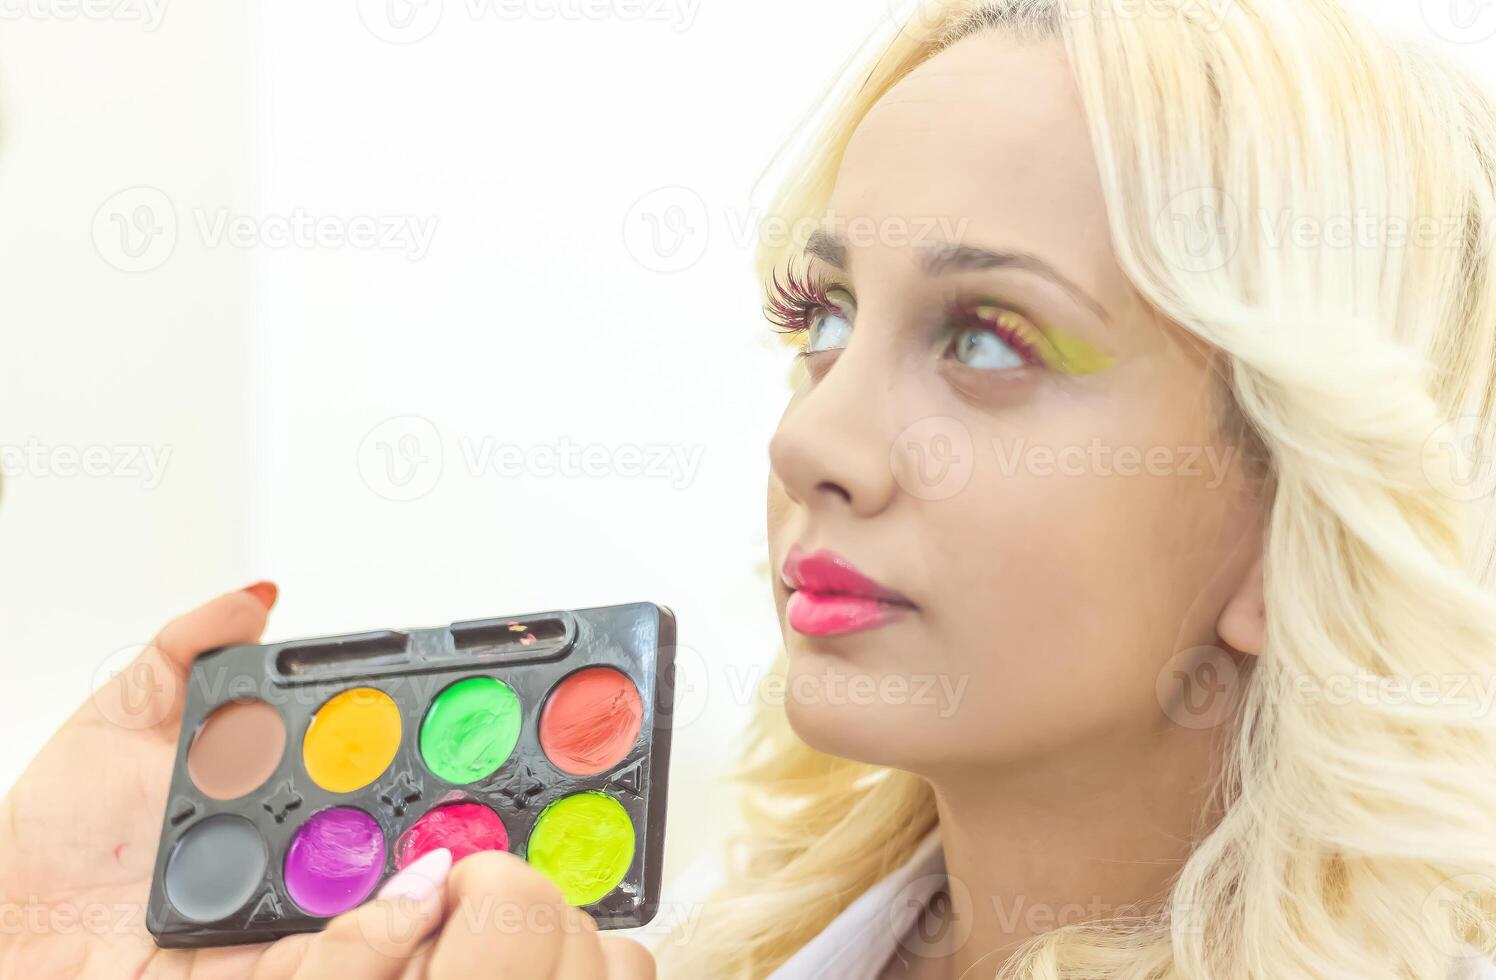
<point x="215" y="868"/>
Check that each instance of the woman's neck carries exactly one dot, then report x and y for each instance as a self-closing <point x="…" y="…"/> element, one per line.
<point x="1075" y="839"/>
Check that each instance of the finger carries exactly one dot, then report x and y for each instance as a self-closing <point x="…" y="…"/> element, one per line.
<point x="378" y="940"/>
<point x="625" y="959"/>
<point x="504" y="921"/>
<point x="581" y="954"/>
<point x="237" y="617"/>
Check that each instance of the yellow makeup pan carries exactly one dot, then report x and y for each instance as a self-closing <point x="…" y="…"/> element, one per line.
<point x="352" y="739"/>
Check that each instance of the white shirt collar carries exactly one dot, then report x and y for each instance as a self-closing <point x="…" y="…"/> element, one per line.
<point x="859" y="942"/>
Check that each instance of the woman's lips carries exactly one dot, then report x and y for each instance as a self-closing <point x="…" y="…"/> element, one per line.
<point x="830" y="596"/>
<point x="823" y="614"/>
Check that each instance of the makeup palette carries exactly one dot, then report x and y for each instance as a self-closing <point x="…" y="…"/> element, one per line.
<point x="309" y="771"/>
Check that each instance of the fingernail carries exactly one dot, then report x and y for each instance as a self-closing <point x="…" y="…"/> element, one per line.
<point x="421" y="879"/>
<point x="266" y="592"/>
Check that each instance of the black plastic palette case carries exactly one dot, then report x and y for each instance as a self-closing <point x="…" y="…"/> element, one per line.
<point x="310" y="771"/>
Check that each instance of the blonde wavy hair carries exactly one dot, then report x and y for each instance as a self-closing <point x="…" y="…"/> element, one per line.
<point x="1358" y="840"/>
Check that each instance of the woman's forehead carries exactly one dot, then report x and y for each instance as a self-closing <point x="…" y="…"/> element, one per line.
<point x="988" y="138"/>
<point x="987" y="109"/>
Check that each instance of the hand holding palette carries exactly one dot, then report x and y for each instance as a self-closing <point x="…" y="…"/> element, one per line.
<point x="309" y="771"/>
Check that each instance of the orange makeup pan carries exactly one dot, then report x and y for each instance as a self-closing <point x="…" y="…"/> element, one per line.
<point x="591" y="721"/>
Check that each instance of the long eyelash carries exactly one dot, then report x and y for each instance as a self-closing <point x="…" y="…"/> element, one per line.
<point x="791" y="303"/>
<point x="969" y="313"/>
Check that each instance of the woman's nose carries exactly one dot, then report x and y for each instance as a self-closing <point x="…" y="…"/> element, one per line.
<point x="833" y="446"/>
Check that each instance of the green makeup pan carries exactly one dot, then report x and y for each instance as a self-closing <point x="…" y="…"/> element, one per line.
<point x="471" y="729"/>
<point x="309" y="771"/>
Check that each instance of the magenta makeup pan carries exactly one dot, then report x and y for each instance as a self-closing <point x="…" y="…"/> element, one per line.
<point x="462" y="828"/>
<point x="309" y="771"/>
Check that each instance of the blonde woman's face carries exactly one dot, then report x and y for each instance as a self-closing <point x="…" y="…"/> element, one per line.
<point x="999" y="507"/>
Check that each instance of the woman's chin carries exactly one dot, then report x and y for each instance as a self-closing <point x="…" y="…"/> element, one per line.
<point x="881" y="717"/>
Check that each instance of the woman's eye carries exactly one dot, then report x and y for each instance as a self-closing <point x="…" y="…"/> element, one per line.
<point x="830" y="328"/>
<point x="980" y="348"/>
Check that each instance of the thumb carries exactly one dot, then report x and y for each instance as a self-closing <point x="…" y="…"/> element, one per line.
<point x="236" y="617"/>
<point x="149" y="691"/>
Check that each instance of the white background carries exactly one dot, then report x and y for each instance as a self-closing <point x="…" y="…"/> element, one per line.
<point x="584" y="171"/>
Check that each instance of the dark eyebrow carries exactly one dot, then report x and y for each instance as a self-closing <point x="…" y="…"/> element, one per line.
<point x="828" y="248"/>
<point x="942" y="257"/>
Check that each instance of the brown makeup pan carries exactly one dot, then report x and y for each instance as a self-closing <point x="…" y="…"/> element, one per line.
<point x="236" y="749"/>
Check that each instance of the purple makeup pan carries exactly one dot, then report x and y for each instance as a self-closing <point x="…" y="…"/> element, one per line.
<point x="334" y="861"/>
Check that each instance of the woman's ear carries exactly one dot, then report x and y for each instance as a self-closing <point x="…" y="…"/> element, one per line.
<point x="1243" y="622"/>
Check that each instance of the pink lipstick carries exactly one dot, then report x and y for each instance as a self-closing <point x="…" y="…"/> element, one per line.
<point x="829" y="596"/>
